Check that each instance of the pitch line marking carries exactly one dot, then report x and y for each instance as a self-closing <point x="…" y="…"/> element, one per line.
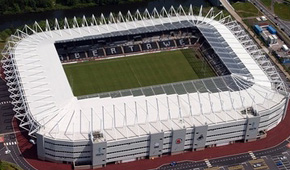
<point x="134" y="73"/>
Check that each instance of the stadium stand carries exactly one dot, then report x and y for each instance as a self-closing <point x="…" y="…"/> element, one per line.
<point x="96" y="52"/>
<point x="182" y="42"/>
<point x="87" y="47"/>
<point x="113" y="51"/>
<point x="131" y="48"/>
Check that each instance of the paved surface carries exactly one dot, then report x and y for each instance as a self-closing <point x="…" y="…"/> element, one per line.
<point x="285" y="163"/>
<point x="6" y="112"/>
<point x="29" y="152"/>
<point x="287" y="23"/>
<point x="246" y="160"/>
<point x="186" y="165"/>
<point x="15" y="153"/>
<point x="267" y="160"/>
<point x="7" y="134"/>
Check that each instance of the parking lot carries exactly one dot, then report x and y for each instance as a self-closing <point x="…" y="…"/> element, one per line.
<point x="281" y="162"/>
<point x="259" y="164"/>
<point x="269" y="162"/>
<point x="213" y="168"/>
<point x="6" y="112"/>
<point x="236" y="167"/>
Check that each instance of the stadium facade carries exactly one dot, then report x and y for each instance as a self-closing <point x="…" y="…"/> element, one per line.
<point x="247" y="99"/>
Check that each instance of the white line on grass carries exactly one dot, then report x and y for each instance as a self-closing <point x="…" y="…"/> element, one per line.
<point x="134" y="73"/>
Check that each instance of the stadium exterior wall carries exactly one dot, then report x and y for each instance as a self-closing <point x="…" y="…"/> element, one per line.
<point x="98" y="154"/>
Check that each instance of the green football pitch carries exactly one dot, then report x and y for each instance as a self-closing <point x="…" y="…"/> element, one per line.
<point x="136" y="71"/>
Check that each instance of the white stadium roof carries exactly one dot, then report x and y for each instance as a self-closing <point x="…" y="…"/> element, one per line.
<point x="52" y="110"/>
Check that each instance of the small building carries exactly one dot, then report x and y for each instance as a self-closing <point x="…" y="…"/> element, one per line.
<point x="275" y="38"/>
<point x="258" y="29"/>
<point x="264" y="36"/>
<point x="270" y="39"/>
<point x="271" y="29"/>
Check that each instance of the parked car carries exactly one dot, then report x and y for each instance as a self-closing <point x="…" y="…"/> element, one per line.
<point x="173" y="163"/>
<point x="257" y="165"/>
<point x="279" y="163"/>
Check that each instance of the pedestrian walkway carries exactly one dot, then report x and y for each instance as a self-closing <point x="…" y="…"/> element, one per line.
<point x="1" y="139"/>
<point x="252" y="155"/>
<point x="10" y="143"/>
<point x="208" y="163"/>
<point x="5" y="102"/>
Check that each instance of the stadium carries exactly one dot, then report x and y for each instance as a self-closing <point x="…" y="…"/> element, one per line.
<point x="234" y="93"/>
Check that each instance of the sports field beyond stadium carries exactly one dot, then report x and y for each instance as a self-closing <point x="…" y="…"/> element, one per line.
<point x="136" y="71"/>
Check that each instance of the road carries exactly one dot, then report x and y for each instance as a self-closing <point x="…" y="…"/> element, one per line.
<point x="287" y="23"/>
<point x="15" y="154"/>
<point x="7" y="131"/>
<point x="283" y="25"/>
<point x="231" y="160"/>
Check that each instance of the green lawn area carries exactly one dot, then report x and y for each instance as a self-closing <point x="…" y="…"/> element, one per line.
<point x="267" y="3"/>
<point x="136" y="71"/>
<point x="246" y="9"/>
<point x="2" y="44"/>
<point x="8" y="166"/>
<point x="282" y="10"/>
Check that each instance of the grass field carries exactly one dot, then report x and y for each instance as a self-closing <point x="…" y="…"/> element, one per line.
<point x="246" y="9"/>
<point x="282" y="10"/>
<point x="267" y="3"/>
<point x="2" y="44"/>
<point x="136" y="71"/>
<point x="8" y="166"/>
